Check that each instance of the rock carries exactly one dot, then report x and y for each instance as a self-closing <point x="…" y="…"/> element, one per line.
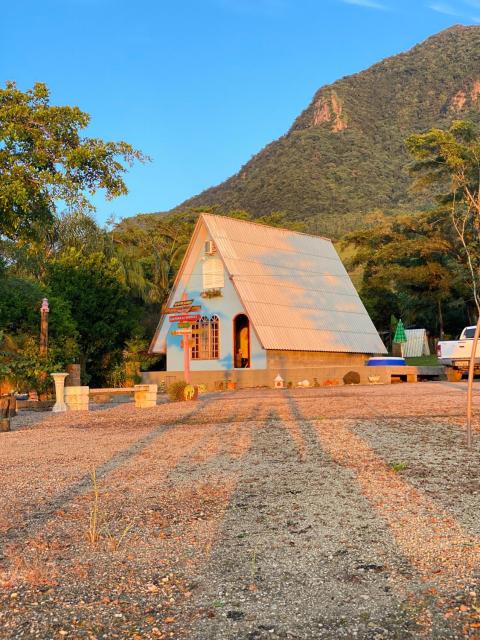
<point x="352" y="377"/>
<point x="235" y="615"/>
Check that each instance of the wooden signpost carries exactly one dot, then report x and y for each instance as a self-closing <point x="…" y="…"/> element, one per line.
<point x="184" y="313"/>
<point x="44" y="310"/>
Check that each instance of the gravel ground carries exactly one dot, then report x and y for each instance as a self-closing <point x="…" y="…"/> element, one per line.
<point x="347" y="512"/>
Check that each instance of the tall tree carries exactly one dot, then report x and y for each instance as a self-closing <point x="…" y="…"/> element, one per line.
<point x="44" y="160"/>
<point x="410" y="262"/>
<point x="102" y="308"/>
<point x="448" y="164"/>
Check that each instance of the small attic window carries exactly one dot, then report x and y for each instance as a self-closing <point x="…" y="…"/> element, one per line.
<point x="213" y="275"/>
<point x="210" y="248"/>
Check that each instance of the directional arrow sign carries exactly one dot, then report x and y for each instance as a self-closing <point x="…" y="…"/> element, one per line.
<point x="186" y="309"/>
<point x="185" y="318"/>
<point x="181" y="332"/>
<point x="183" y="303"/>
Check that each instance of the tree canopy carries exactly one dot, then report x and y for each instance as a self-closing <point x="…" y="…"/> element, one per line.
<point x="447" y="163"/>
<point x="45" y="160"/>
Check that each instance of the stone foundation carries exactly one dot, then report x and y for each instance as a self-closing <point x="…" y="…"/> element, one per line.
<point x="283" y="359"/>
<point x="321" y="376"/>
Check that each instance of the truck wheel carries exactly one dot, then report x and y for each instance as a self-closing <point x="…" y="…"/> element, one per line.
<point x="453" y="375"/>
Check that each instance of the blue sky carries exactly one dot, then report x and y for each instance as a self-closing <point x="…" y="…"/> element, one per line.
<point x="202" y="85"/>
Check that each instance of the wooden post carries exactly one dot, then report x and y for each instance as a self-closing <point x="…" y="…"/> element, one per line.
<point x="186" y="359"/>
<point x="44" y="327"/>
<point x="186" y="351"/>
<point x="7" y="410"/>
<point x="471" y="372"/>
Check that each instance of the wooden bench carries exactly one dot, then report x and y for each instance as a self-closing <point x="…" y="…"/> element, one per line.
<point x="145" y="395"/>
<point x="104" y="395"/>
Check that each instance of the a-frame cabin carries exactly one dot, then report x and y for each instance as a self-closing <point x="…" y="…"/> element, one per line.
<point x="272" y="301"/>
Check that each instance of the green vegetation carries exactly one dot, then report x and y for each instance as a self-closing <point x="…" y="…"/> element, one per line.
<point x="328" y="177"/>
<point x="176" y="391"/>
<point x="398" y="467"/>
<point x="424" y="267"/>
<point x="45" y="160"/>
<point x="448" y="164"/>
<point x="413" y="267"/>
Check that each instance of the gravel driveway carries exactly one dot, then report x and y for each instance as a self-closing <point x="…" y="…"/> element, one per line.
<point x="347" y="512"/>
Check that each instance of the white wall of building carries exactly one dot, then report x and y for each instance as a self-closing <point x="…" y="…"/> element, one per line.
<point x="225" y="307"/>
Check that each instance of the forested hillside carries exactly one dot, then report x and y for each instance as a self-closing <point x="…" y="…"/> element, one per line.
<point x="345" y="154"/>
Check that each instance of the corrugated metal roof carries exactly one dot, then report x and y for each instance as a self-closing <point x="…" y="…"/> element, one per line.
<point x="294" y="287"/>
<point x="417" y="343"/>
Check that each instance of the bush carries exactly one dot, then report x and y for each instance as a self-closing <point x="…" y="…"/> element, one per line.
<point x="352" y="377"/>
<point x="176" y="391"/>
<point x="116" y="376"/>
<point x="24" y="367"/>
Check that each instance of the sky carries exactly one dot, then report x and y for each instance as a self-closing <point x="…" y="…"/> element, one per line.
<point x="201" y="85"/>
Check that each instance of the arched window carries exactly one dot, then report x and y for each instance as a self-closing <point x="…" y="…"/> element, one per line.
<point x="206" y="338"/>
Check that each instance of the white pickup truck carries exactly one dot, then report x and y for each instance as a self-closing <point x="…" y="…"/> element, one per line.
<point x="455" y="354"/>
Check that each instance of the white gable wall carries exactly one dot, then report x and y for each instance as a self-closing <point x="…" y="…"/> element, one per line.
<point x="225" y="307"/>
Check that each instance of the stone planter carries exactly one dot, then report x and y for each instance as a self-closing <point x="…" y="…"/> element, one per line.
<point x="77" y="398"/>
<point x="59" y="379"/>
<point x="145" y="396"/>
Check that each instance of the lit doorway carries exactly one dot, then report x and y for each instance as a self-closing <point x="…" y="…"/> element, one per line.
<point x="241" y="341"/>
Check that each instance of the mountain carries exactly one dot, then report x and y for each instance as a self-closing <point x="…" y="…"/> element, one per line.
<point x="345" y="154"/>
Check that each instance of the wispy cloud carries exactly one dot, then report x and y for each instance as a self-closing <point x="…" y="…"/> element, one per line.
<point x="368" y="4"/>
<point x="457" y="11"/>
<point x="445" y="8"/>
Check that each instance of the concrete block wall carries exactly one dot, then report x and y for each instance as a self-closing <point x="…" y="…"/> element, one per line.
<point x="76" y="398"/>
<point x="145" y="395"/>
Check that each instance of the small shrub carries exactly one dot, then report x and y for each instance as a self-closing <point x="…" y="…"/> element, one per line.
<point x="397" y="467"/>
<point x="99" y="527"/>
<point x="176" y="391"/>
<point x="116" y="377"/>
<point x="352" y="377"/>
<point x="92" y="531"/>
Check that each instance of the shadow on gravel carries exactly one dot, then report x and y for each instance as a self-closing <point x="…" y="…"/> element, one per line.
<point x="300" y="553"/>
<point x="41" y="515"/>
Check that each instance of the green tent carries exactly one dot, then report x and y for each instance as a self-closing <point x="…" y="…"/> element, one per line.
<point x="400" y="333"/>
